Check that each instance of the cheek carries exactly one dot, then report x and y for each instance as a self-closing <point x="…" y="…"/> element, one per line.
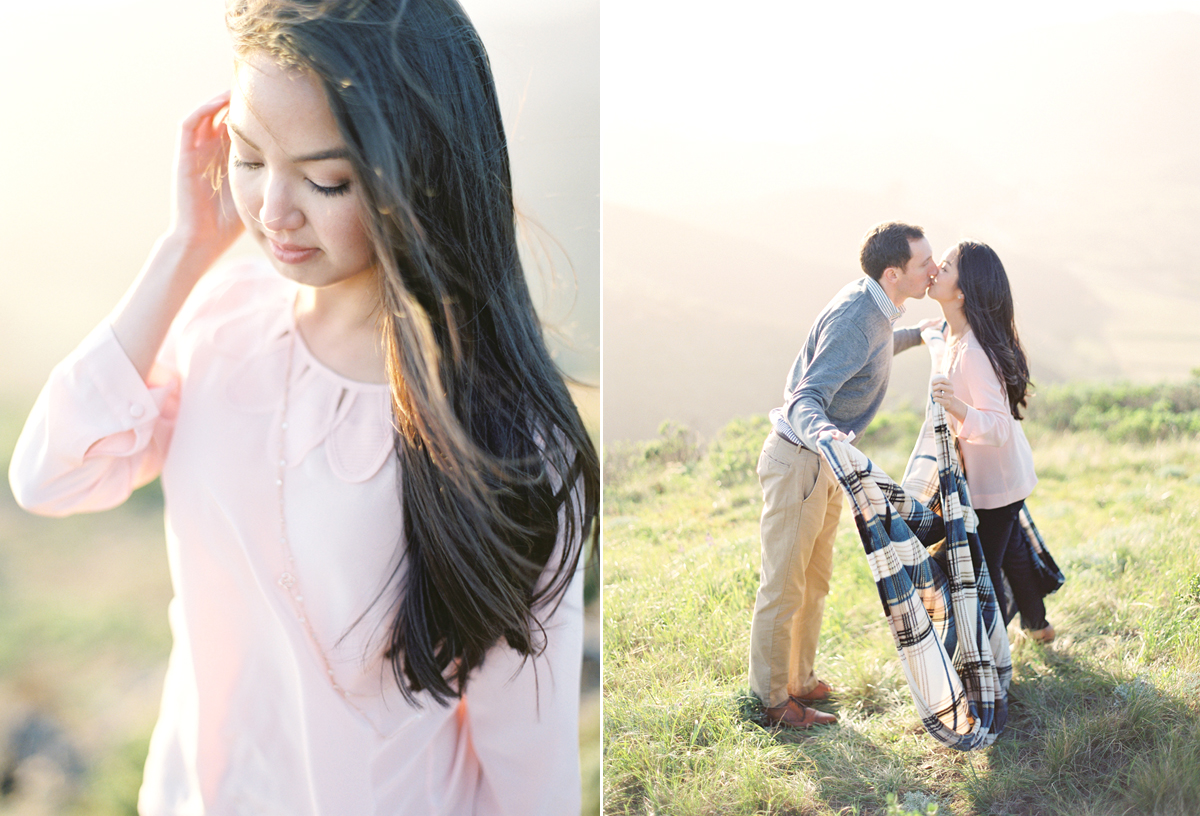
<point x="345" y="231"/>
<point x="245" y="199"/>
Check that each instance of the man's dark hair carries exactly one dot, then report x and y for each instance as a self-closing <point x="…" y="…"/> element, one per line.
<point x="887" y="245"/>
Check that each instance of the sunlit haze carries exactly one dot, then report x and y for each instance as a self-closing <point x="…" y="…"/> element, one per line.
<point x="795" y="72"/>
<point x="746" y="153"/>
<point x="91" y="102"/>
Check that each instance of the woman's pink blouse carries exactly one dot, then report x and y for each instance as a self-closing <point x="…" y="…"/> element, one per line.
<point x="276" y="699"/>
<point x="996" y="456"/>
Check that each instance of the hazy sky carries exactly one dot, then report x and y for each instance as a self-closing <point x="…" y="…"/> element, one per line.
<point x="746" y="152"/>
<point x="786" y="72"/>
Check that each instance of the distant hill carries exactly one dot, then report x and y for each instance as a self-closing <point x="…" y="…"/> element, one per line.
<point x="1071" y="151"/>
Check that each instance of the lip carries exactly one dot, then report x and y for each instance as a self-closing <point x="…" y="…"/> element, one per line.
<point x="291" y="253"/>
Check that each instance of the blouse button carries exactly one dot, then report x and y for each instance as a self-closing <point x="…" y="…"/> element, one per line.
<point x="286" y="580"/>
<point x="136" y="410"/>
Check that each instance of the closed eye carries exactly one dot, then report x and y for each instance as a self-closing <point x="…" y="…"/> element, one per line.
<point x="337" y="190"/>
<point x="320" y="189"/>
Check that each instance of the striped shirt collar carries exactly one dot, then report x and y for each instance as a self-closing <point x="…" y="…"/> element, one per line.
<point x="890" y="310"/>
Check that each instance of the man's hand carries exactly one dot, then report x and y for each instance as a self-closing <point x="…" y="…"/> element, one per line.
<point x="836" y="436"/>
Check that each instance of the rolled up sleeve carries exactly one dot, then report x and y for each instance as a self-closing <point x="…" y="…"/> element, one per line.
<point x="96" y="432"/>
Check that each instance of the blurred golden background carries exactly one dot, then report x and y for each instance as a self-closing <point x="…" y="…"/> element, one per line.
<point x="89" y="106"/>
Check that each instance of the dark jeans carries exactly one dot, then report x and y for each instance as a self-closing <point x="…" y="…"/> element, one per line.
<point x="1007" y="555"/>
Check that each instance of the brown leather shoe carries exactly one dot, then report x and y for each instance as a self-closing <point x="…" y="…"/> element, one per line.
<point x="795" y="714"/>
<point x="821" y="691"/>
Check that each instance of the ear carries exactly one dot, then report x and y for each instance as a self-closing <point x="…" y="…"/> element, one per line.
<point x="892" y="273"/>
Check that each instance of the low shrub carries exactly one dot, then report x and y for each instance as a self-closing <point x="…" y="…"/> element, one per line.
<point x="1121" y="412"/>
<point x="733" y="455"/>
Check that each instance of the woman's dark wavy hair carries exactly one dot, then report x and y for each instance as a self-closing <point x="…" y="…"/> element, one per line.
<point x="496" y="465"/>
<point x="988" y="305"/>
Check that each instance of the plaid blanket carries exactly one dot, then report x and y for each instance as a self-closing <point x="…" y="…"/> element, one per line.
<point x="941" y="608"/>
<point x="922" y="478"/>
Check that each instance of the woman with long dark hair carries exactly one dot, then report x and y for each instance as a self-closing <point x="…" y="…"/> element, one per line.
<point x="983" y="386"/>
<point x="377" y="486"/>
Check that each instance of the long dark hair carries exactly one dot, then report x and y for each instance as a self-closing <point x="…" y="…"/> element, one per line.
<point x="988" y="305"/>
<point x="499" y="478"/>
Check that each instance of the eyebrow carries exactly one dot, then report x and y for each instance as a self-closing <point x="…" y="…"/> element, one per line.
<point x="321" y="155"/>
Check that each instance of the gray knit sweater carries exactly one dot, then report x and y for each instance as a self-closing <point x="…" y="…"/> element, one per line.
<point x="840" y="376"/>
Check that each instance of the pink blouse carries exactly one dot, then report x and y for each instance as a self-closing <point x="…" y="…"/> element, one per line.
<point x="282" y="530"/>
<point x="996" y="456"/>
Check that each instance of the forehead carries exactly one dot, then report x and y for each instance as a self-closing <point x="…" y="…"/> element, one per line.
<point x="921" y="251"/>
<point x="951" y="255"/>
<point x="281" y="105"/>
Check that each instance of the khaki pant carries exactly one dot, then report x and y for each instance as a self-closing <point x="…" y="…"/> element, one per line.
<point x="801" y="505"/>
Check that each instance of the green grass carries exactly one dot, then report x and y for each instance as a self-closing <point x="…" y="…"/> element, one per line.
<point x="83" y="645"/>
<point x="1106" y="720"/>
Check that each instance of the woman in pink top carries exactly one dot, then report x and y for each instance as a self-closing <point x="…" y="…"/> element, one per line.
<point x="983" y="386"/>
<point x="377" y="485"/>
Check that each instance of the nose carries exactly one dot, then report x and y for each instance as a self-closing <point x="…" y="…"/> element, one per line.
<point x="278" y="211"/>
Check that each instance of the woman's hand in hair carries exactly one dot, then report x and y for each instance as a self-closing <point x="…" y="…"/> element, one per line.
<point x="942" y="391"/>
<point x="204" y="221"/>
<point x="203" y="225"/>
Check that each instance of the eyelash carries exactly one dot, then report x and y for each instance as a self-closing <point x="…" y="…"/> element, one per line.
<point x="341" y="189"/>
<point x="331" y="192"/>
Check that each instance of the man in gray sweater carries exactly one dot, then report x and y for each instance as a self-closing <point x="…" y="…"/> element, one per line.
<point x="835" y="388"/>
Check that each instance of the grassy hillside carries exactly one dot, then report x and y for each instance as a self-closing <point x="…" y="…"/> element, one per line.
<point x="1104" y="720"/>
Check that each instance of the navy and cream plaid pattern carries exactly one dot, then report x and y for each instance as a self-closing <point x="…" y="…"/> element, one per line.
<point x="922" y="479"/>
<point x="941" y="607"/>
<point x="1050" y="577"/>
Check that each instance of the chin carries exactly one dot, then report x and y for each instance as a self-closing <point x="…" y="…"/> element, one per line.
<point x="290" y="271"/>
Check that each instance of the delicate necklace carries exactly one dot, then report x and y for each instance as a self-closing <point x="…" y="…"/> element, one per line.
<point x="288" y="579"/>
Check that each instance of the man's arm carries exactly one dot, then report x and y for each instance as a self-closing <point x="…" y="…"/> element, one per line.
<point x="904" y="339"/>
<point x="841" y="353"/>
